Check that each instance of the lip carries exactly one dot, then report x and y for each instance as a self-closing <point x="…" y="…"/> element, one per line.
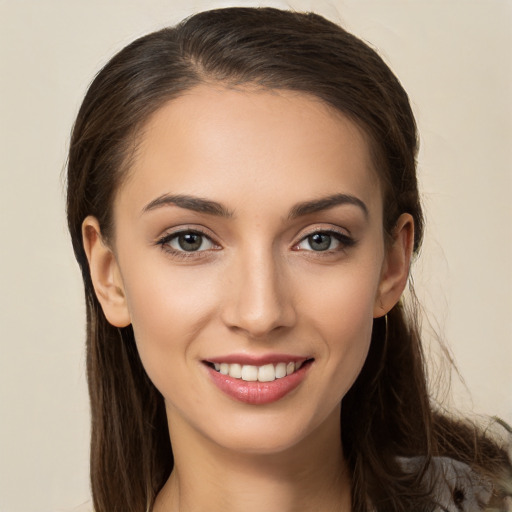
<point x="258" y="393"/>
<point x="257" y="360"/>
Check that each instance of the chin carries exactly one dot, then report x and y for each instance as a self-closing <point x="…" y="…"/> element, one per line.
<point x="272" y="434"/>
<point x="263" y="443"/>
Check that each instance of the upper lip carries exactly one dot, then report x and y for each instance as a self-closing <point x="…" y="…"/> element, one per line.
<point x="257" y="360"/>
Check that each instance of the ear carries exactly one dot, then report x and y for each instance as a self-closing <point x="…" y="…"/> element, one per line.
<point x="105" y="274"/>
<point x="395" y="269"/>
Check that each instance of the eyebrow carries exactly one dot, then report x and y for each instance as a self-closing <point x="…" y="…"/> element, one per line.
<point x="326" y="203"/>
<point x="196" y="204"/>
<point x="207" y="206"/>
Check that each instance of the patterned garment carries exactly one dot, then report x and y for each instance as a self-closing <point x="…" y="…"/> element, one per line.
<point x="455" y="486"/>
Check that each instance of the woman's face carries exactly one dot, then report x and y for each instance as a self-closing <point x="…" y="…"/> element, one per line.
<point x="249" y="245"/>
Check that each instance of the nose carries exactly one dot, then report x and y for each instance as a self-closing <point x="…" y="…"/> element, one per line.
<point x="258" y="296"/>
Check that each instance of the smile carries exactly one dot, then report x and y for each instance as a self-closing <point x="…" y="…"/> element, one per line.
<point x="251" y="373"/>
<point x="263" y="382"/>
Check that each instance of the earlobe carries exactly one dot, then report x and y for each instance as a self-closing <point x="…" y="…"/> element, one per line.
<point x="105" y="274"/>
<point x="395" y="270"/>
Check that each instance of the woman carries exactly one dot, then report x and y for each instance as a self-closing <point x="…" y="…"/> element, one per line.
<point x="243" y="203"/>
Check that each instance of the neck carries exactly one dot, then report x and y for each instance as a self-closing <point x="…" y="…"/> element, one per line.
<point x="309" y="476"/>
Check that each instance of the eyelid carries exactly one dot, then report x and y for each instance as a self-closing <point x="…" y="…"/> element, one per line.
<point x="343" y="236"/>
<point x="175" y="240"/>
<point x="163" y="241"/>
<point x="325" y="228"/>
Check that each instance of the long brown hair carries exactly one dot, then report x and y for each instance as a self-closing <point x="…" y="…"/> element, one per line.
<point x="387" y="413"/>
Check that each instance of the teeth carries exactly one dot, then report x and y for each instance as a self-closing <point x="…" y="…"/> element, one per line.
<point x="235" y="371"/>
<point x="249" y="373"/>
<point x="280" y="370"/>
<point x="265" y="373"/>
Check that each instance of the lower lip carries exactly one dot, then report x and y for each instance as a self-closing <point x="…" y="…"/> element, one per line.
<point x="258" y="393"/>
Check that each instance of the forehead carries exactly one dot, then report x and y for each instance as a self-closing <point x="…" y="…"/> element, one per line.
<point x="234" y="144"/>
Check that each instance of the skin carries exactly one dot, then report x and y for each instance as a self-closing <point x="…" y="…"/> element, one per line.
<point x="256" y="286"/>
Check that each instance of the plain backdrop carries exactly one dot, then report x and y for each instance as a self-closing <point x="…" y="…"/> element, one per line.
<point x="454" y="59"/>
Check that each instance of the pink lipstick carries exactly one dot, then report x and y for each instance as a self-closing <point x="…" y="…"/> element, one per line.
<point x="258" y="380"/>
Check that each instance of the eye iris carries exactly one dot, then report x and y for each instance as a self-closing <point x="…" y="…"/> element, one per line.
<point x="190" y="241"/>
<point x="319" y="241"/>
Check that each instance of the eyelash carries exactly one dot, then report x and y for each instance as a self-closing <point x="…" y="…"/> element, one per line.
<point x="344" y="240"/>
<point x="165" y="241"/>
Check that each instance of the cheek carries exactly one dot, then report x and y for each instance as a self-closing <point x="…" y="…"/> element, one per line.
<point x="343" y="299"/>
<point x="342" y="315"/>
<point x="347" y="326"/>
<point x="167" y="309"/>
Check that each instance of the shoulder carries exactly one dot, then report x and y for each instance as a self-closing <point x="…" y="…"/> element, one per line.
<point x="453" y="485"/>
<point x="456" y="487"/>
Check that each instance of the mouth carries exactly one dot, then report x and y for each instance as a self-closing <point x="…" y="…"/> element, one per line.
<point x="258" y="384"/>
<point x="263" y="373"/>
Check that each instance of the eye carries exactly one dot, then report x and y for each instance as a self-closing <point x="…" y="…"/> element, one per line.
<point x="322" y="241"/>
<point x="187" y="241"/>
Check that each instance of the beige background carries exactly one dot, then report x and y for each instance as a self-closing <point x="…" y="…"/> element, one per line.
<point x="453" y="57"/>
